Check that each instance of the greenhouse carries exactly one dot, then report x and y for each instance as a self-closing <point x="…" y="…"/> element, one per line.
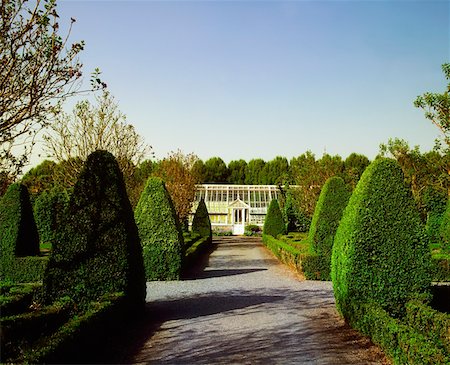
<point x="232" y="207"/>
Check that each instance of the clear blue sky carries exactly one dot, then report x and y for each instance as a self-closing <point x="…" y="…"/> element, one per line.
<point x="247" y="79"/>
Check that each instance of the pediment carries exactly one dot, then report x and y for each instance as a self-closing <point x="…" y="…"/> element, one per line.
<point x="238" y="203"/>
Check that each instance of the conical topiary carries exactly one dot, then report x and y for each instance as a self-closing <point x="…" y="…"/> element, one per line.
<point x="274" y="222"/>
<point x="201" y="223"/>
<point x="18" y="233"/>
<point x="380" y="251"/>
<point x="159" y="229"/>
<point x="327" y="215"/>
<point x="97" y="251"/>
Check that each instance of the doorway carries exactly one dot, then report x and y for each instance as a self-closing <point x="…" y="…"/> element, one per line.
<point x="240" y="217"/>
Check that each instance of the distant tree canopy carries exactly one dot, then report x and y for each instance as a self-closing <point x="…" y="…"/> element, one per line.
<point x="437" y="106"/>
<point x="176" y="172"/>
<point x="423" y="171"/>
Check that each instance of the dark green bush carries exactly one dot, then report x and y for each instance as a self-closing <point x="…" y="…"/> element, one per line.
<point x="380" y="252"/>
<point x="97" y="251"/>
<point x="160" y="232"/>
<point x="201" y="223"/>
<point x="18" y="232"/>
<point x="49" y="209"/>
<point x="327" y="215"/>
<point x="274" y="222"/>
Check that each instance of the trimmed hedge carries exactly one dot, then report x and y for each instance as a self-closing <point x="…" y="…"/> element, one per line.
<point x="195" y="251"/>
<point x="49" y="209"/>
<point x="97" y="251"/>
<point x="19" y="237"/>
<point x="54" y="335"/>
<point x="327" y="215"/>
<point x="160" y="232"/>
<point x="421" y="338"/>
<point x="274" y="223"/>
<point x="380" y="253"/>
<point x="201" y="223"/>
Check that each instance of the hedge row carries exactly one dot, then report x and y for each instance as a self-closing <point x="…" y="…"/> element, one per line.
<point x="54" y="336"/>
<point x="283" y="251"/>
<point x="421" y="338"/>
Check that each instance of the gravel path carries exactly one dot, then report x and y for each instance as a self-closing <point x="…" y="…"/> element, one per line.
<point x="246" y="308"/>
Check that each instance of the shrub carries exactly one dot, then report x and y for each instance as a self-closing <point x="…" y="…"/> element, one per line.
<point x="18" y="232"/>
<point x="380" y="252"/>
<point x="435" y="201"/>
<point x="49" y="209"/>
<point x="97" y="251"/>
<point x="274" y="223"/>
<point x="445" y="226"/>
<point x="252" y="230"/>
<point x="160" y="232"/>
<point x="327" y="215"/>
<point x="201" y="223"/>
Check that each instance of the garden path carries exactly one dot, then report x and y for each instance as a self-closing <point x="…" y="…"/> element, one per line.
<point x="247" y="308"/>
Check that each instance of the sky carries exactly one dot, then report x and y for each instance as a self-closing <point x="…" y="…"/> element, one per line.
<point x="259" y="79"/>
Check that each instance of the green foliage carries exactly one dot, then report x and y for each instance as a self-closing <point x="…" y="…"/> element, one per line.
<point x="254" y="172"/>
<point x="252" y="230"/>
<point x="49" y="209"/>
<point x="97" y="251"/>
<point x="16" y="298"/>
<point x="274" y="222"/>
<point x="201" y="223"/>
<point x="327" y="215"/>
<point x="437" y="106"/>
<point x="195" y="251"/>
<point x="216" y="171"/>
<point x="275" y="171"/>
<point x="53" y="334"/>
<point x="380" y="252"/>
<point x="415" y="340"/>
<point x="160" y="232"/>
<point x="445" y="226"/>
<point x="354" y="166"/>
<point x="237" y="172"/>
<point x="18" y="233"/>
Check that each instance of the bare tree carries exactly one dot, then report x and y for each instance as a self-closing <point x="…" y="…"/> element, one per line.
<point x="39" y="69"/>
<point x="73" y="137"/>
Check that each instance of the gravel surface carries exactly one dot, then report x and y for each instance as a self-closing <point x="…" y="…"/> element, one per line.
<point x="246" y="308"/>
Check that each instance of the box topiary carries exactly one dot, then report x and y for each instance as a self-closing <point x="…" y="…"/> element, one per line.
<point x="380" y="252"/>
<point x="49" y="209"/>
<point x="201" y="223"/>
<point x="274" y="223"/>
<point x="18" y="233"/>
<point x="160" y="232"/>
<point x="97" y="250"/>
<point x="327" y="215"/>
